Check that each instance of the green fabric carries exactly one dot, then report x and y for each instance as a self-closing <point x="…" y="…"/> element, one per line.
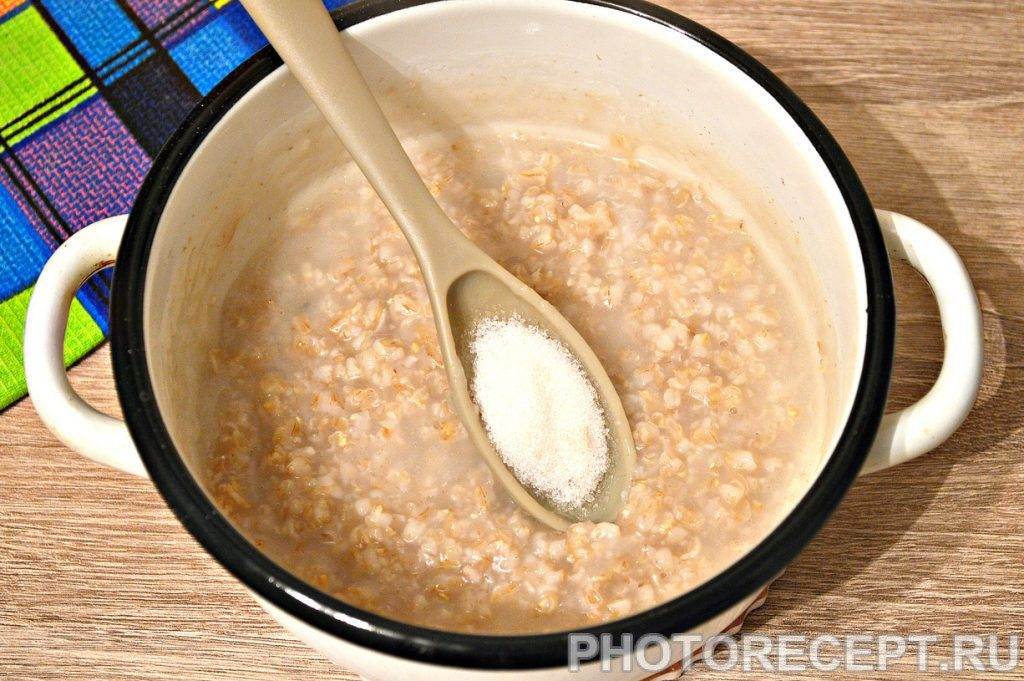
<point x="81" y="337"/>
<point x="33" y="65"/>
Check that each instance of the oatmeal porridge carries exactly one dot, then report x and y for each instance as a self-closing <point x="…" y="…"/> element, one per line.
<point x="336" y="451"/>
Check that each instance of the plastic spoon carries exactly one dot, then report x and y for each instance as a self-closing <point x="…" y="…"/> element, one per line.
<point x="465" y="286"/>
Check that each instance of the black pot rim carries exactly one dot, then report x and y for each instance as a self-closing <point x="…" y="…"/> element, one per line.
<point x="367" y="629"/>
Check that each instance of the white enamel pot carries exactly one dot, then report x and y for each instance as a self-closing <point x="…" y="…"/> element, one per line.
<point x="604" y="65"/>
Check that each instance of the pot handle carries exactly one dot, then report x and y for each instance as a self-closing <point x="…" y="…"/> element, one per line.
<point x="924" y="425"/>
<point x="100" y="437"/>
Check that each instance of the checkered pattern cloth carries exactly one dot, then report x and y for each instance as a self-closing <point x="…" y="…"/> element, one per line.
<point x="89" y="91"/>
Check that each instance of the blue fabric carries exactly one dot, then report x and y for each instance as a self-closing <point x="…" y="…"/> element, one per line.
<point x="98" y="28"/>
<point x="23" y="252"/>
<point x="215" y="49"/>
<point x="89" y="92"/>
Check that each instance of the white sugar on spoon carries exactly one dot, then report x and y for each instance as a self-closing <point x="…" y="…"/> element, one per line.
<point x="540" y="410"/>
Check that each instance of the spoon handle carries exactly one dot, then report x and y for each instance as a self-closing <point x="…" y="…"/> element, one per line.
<point x="306" y="38"/>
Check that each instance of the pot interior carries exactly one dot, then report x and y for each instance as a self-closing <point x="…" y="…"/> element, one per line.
<point x="442" y="68"/>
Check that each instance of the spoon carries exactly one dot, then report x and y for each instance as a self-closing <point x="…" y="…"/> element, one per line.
<point x="465" y="285"/>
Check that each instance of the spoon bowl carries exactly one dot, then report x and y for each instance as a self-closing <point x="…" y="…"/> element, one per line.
<point x="488" y="293"/>
<point x="464" y="284"/>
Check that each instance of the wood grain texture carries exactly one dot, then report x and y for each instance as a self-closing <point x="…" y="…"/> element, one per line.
<point x="98" y="580"/>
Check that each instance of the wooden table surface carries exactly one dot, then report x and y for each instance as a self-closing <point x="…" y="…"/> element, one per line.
<point x="98" y="580"/>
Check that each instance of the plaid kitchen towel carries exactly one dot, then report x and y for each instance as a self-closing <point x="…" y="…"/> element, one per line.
<point x="89" y="91"/>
